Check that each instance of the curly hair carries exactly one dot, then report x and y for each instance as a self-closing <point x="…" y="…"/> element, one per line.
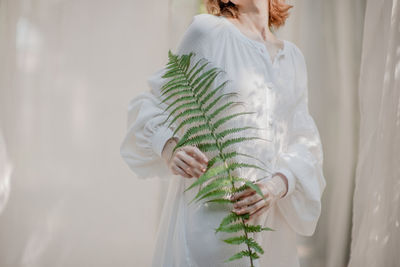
<point x="278" y="11"/>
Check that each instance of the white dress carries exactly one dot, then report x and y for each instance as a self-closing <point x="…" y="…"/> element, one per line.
<point x="277" y="90"/>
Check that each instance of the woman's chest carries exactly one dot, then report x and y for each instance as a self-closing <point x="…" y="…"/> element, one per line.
<point x="268" y="89"/>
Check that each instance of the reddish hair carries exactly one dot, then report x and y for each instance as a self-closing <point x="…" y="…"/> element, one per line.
<point x="278" y="10"/>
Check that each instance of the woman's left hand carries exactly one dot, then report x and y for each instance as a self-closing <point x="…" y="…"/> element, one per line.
<point x="248" y="201"/>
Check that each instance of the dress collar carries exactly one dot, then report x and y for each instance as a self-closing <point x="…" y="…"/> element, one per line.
<point x="257" y="44"/>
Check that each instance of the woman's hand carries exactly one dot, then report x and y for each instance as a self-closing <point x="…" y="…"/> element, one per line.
<point x="248" y="201"/>
<point x="188" y="161"/>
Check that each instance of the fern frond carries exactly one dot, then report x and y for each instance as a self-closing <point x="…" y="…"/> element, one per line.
<point x="191" y="98"/>
<point x="180" y="99"/>
<point x="209" y="174"/>
<point x="254" y="245"/>
<point x="182" y="106"/>
<point x="223" y="108"/>
<point x="198" y="139"/>
<point x="236" y="240"/>
<point x="197" y="71"/>
<point x="234" y="130"/>
<point x="235" y="140"/>
<point x="208" y="147"/>
<point x="242" y="254"/>
<point x="183" y="92"/>
<point x="189" y="121"/>
<point x="233" y="217"/>
<point x="187" y="112"/>
<point x="232" y="228"/>
<point x="213" y="92"/>
<point x="220" y="182"/>
<point x="219" y="200"/>
<point x="223" y="120"/>
<point x="214" y="194"/>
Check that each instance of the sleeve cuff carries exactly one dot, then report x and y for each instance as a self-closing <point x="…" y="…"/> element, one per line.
<point x="291" y="180"/>
<point x="159" y="138"/>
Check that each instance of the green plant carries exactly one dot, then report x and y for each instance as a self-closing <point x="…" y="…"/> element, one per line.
<point x="195" y="105"/>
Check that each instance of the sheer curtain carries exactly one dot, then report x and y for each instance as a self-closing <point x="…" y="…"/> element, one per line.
<point x="68" y="69"/>
<point x="330" y="34"/>
<point x="376" y="219"/>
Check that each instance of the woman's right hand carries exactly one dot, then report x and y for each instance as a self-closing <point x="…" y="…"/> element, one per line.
<point x="188" y="161"/>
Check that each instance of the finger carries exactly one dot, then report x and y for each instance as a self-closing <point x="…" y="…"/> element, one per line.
<point x="179" y="171"/>
<point x="249" y="200"/>
<point x="182" y="165"/>
<point x="197" y="153"/>
<point x="251" y="208"/>
<point x="257" y="213"/>
<point x="187" y="160"/>
<point x="192" y="162"/>
<point x="246" y="192"/>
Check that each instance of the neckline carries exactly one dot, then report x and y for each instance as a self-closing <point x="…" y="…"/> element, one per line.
<point x="257" y="43"/>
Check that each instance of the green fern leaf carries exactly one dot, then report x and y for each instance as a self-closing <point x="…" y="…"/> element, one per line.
<point x="236" y="240"/>
<point x="189" y="121"/>
<point x="232" y="228"/>
<point x="224" y="107"/>
<point x="217" y="183"/>
<point x="232" y="217"/>
<point x="254" y="245"/>
<point x="207" y="147"/>
<point x="239" y="255"/>
<point x="223" y="120"/>
<point x="180" y="99"/>
<point x="187" y="112"/>
<point x="219" y="201"/>
<point x="238" y="140"/>
<point x="209" y="174"/>
<point x="213" y="92"/>
<point x="198" y="139"/>
<point x="234" y="130"/>
<point x="214" y="194"/>
<point x="178" y="93"/>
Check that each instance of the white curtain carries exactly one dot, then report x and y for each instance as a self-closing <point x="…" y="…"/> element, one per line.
<point x="376" y="219"/>
<point x="68" y="69"/>
<point x="330" y="33"/>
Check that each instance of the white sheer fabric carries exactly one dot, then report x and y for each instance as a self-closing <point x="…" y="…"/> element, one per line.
<point x="329" y="33"/>
<point x="68" y="68"/>
<point x="376" y="218"/>
<point x="185" y="236"/>
<point x="5" y="174"/>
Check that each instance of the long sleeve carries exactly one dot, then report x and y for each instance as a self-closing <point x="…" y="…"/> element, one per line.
<point x="302" y="163"/>
<point x="146" y="136"/>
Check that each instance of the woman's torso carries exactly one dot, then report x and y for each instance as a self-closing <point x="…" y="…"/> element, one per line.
<point x="265" y="87"/>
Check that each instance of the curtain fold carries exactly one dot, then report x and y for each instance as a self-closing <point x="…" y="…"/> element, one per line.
<point x="68" y="69"/>
<point x="330" y="34"/>
<point x="376" y="217"/>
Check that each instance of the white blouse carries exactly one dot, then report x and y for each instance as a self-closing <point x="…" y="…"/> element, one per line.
<point x="277" y="90"/>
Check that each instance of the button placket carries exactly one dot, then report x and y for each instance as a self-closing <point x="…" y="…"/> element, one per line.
<point x="270" y="103"/>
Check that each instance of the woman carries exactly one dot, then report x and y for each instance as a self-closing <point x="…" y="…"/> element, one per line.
<point x="270" y="76"/>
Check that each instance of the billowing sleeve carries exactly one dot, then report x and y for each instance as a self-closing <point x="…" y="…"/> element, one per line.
<point x="146" y="135"/>
<point x="301" y="162"/>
